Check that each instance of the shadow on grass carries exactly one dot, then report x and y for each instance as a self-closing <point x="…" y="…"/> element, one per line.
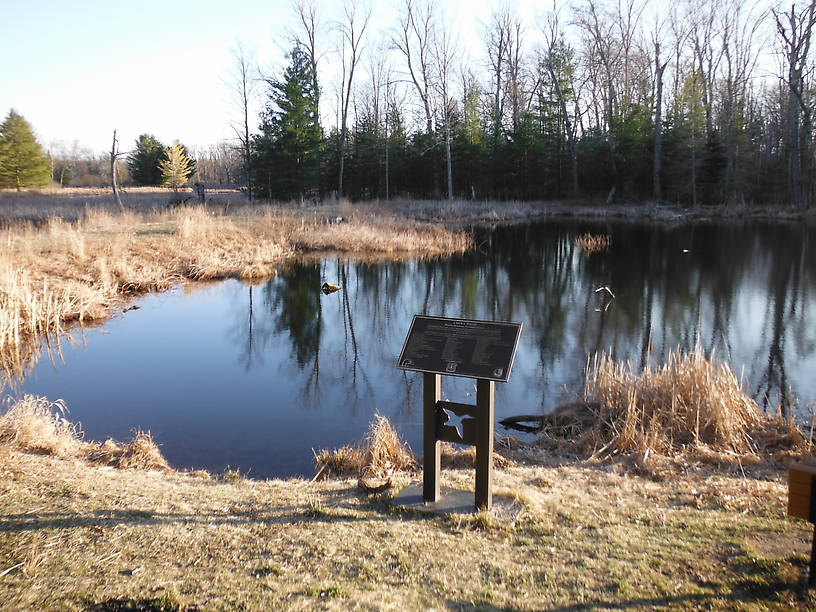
<point x="275" y="515"/>
<point x="789" y="595"/>
<point x="349" y="505"/>
<point x="138" y="605"/>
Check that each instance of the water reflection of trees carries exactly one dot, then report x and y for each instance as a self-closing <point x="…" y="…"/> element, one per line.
<point x="684" y="286"/>
<point x="788" y="281"/>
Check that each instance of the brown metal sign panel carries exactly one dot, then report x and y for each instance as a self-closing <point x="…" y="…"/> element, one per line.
<point x="460" y="347"/>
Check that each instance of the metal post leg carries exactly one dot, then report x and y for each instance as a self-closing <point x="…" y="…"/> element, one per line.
<point x="431" y="447"/>
<point x="485" y="405"/>
<point x="812" y="575"/>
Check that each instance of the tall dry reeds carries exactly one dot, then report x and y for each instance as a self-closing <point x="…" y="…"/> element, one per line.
<point x="35" y="424"/>
<point x="378" y="455"/>
<point x="593" y="243"/>
<point x="688" y="401"/>
<point x="379" y="235"/>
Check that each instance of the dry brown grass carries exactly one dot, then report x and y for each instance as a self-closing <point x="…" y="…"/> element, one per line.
<point x="381" y="453"/>
<point x="141" y="453"/>
<point x="593" y="243"/>
<point x="688" y="402"/>
<point x="379" y="235"/>
<point x="465" y="458"/>
<point x="591" y="535"/>
<point x="35" y="424"/>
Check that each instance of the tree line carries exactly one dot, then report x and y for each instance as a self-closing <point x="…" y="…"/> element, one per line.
<point x="698" y="102"/>
<point x="25" y="164"/>
<point x="617" y="99"/>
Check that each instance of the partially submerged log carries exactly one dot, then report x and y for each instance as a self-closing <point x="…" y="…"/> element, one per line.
<point x="522" y="422"/>
<point x="568" y="419"/>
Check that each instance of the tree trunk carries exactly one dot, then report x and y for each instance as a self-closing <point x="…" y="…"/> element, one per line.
<point x="567" y="125"/>
<point x="113" y="173"/>
<point x="354" y="39"/>
<point x="693" y="169"/>
<point x="796" y="160"/>
<point x="658" y="142"/>
<point x="342" y="161"/>
<point x="448" y="151"/>
<point x="246" y="147"/>
<point x="387" y="169"/>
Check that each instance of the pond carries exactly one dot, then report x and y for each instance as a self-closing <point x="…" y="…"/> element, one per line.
<point x="255" y="377"/>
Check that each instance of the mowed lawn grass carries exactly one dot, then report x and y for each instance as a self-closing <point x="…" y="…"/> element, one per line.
<point x="583" y="535"/>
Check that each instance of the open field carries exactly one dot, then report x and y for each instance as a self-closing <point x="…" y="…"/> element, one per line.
<point x="71" y="204"/>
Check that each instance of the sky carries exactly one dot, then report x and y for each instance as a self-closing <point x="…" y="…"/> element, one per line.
<point x="78" y="70"/>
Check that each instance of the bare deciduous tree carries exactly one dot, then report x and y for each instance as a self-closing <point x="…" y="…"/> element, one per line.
<point x="352" y="34"/>
<point x="738" y="29"/>
<point x="307" y="40"/>
<point x="515" y="73"/>
<point x="659" y="69"/>
<point x="706" y="55"/>
<point x="242" y="85"/>
<point x="603" y="52"/>
<point x="552" y="36"/>
<point x="113" y="155"/>
<point x="497" y="38"/>
<point x="795" y="31"/>
<point x="414" y="38"/>
<point x="445" y="50"/>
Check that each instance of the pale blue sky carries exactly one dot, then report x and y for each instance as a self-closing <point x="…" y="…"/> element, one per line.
<point x="77" y="70"/>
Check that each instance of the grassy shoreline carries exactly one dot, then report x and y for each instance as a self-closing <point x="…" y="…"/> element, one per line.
<point x="684" y="527"/>
<point x="590" y="535"/>
<point x="59" y="273"/>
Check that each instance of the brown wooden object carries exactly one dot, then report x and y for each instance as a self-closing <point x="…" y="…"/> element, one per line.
<point x="802" y="504"/>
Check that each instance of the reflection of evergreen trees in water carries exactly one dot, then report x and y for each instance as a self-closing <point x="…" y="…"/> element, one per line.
<point x="788" y="282"/>
<point x="685" y="286"/>
<point x="673" y="286"/>
<point x="294" y="298"/>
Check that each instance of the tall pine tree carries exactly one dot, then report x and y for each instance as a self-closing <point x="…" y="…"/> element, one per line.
<point x="143" y="162"/>
<point x="176" y="166"/>
<point x="284" y="153"/>
<point x="23" y="163"/>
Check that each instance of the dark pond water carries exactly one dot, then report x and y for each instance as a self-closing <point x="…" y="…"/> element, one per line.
<point x="255" y="377"/>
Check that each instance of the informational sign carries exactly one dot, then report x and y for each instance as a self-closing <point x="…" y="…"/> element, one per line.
<point x="461" y="347"/>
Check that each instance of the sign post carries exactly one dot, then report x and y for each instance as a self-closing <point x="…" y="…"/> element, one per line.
<point x="484" y="350"/>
